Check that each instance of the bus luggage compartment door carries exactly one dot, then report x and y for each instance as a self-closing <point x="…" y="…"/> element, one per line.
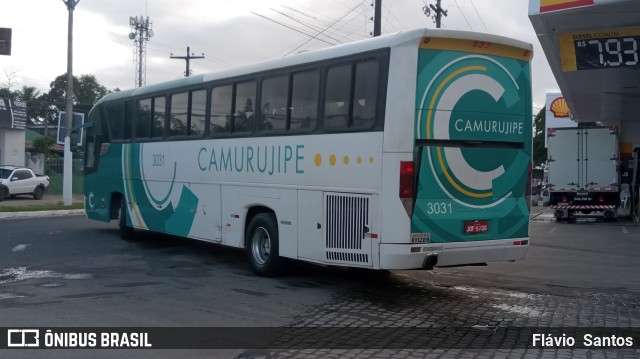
<point x="347" y="233"/>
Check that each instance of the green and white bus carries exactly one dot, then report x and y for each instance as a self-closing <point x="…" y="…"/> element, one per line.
<point x="404" y="151"/>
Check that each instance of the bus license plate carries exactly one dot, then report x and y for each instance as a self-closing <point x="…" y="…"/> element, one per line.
<point x="476" y="227"/>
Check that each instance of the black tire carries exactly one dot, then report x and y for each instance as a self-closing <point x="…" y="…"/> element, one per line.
<point x="38" y="193"/>
<point x="126" y="231"/>
<point x="263" y="245"/>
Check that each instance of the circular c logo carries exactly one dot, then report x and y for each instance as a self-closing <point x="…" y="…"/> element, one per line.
<point x="457" y="99"/>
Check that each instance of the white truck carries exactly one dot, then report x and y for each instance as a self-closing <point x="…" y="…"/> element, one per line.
<point x="583" y="171"/>
<point x="21" y="180"/>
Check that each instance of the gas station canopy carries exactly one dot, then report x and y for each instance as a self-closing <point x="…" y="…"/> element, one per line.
<point x="593" y="47"/>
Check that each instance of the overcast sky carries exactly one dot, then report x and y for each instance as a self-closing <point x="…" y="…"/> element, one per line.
<point x="228" y="32"/>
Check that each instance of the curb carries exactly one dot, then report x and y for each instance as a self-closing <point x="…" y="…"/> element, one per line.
<point x="64" y="212"/>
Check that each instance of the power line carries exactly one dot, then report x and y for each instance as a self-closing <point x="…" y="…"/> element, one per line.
<point x="291" y="28"/>
<point x="345" y="15"/>
<point x="463" y="15"/>
<point x="483" y="24"/>
<point x="328" y="20"/>
<point x="333" y="31"/>
<point x="390" y="16"/>
<point x="304" y="24"/>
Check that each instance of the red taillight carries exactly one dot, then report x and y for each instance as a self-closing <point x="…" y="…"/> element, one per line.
<point x="565" y="199"/>
<point x="600" y="199"/>
<point x="406" y="179"/>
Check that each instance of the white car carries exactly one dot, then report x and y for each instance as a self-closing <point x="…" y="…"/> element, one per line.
<point x="21" y="180"/>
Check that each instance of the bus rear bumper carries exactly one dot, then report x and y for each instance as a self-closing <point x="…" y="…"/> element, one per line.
<point x="412" y="256"/>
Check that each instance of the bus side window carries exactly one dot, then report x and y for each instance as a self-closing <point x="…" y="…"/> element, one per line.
<point x="304" y="100"/>
<point x="159" y="116"/>
<point x="178" y="114"/>
<point x="338" y="98"/>
<point x="275" y="92"/>
<point x="143" y="119"/>
<point x="197" y="113"/>
<point x="221" y="103"/>
<point x="244" y="114"/>
<point x="115" y="119"/>
<point x="90" y="153"/>
<point x="365" y="94"/>
<point x="128" y="120"/>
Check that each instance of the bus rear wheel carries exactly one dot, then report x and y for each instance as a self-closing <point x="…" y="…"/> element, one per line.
<point x="262" y="245"/>
<point x="126" y="232"/>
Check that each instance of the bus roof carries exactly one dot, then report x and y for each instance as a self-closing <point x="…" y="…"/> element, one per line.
<point x="384" y="41"/>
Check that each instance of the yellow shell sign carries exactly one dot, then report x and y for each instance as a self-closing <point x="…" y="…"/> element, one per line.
<point x="554" y="5"/>
<point x="559" y="108"/>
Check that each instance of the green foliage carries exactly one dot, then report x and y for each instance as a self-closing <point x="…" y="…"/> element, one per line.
<point x="43" y="145"/>
<point x="6" y="93"/>
<point x="539" y="151"/>
<point x="43" y="108"/>
<point x="86" y="92"/>
<point x="36" y="206"/>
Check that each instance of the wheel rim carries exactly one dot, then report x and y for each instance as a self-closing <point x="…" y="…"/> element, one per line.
<point x="260" y="245"/>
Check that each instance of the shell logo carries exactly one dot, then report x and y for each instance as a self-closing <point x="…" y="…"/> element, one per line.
<point x="559" y="108"/>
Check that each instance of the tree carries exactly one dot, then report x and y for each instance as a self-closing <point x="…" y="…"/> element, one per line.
<point x="43" y="145"/>
<point x="11" y="79"/>
<point x="539" y="151"/>
<point x="86" y="92"/>
<point x="5" y="92"/>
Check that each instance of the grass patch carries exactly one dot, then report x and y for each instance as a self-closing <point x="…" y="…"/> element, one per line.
<point x="41" y="207"/>
<point x="55" y="184"/>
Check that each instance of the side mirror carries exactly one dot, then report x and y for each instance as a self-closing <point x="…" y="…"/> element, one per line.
<point x="14" y="179"/>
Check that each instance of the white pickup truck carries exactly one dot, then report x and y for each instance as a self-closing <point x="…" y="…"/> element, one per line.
<point x="21" y="180"/>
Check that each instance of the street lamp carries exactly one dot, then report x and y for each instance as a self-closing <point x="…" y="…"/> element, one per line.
<point x="67" y="185"/>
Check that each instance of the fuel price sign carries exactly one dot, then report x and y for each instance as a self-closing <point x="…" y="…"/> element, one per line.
<point x="600" y="49"/>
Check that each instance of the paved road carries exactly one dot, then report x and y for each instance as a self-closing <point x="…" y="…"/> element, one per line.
<point x="69" y="271"/>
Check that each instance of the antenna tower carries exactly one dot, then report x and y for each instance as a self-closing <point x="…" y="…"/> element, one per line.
<point x="141" y="32"/>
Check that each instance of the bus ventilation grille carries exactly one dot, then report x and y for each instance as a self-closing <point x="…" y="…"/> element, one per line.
<point x="348" y="257"/>
<point x="347" y="223"/>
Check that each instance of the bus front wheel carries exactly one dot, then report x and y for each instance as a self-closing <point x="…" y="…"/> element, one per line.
<point x="126" y="232"/>
<point x="262" y="245"/>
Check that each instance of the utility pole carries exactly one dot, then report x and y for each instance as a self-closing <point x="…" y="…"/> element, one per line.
<point x="437" y="10"/>
<point x="187" y="59"/>
<point x="67" y="184"/>
<point x="141" y="32"/>
<point x="377" y="19"/>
